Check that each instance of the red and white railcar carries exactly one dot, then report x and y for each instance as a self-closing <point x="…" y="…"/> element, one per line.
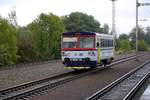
<point x="82" y="50"/>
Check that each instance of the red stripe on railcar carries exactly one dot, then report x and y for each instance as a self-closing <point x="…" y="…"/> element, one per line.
<point x="78" y="49"/>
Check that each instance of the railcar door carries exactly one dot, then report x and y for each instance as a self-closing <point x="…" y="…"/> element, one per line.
<point x="98" y="50"/>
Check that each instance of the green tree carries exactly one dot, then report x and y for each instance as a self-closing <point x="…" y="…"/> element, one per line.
<point x="8" y="48"/>
<point x="132" y="36"/>
<point x="142" y="46"/>
<point x="47" y="31"/>
<point x="147" y="36"/>
<point x="123" y="36"/>
<point x="78" y="21"/>
<point x="141" y="33"/>
<point x="26" y="45"/>
<point x="124" y="45"/>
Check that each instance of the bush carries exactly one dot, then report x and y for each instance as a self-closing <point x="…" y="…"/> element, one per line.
<point x="142" y="46"/>
<point x="124" y="45"/>
<point x="8" y="48"/>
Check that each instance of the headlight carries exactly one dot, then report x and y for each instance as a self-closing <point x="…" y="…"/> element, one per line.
<point x="91" y="53"/>
<point x="80" y="54"/>
<point x="65" y="53"/>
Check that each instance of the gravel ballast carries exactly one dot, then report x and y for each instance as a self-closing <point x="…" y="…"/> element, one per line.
<point x="82" y="88"/>
<point x="19" y="75"/>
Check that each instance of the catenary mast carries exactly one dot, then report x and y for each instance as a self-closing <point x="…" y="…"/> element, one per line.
<point x="113" y="18"/>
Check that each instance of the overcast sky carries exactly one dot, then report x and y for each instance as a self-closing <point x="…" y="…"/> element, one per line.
<point x="28" y="10"/>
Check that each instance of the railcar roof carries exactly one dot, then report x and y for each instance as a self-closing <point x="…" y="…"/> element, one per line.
<point x="90" y="33"/>
<point x="104" y="35"/>
<point x="81" y="33"/>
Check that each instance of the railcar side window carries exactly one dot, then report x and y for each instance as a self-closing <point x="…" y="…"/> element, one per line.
<point x="102" y="42"/>
<point x="106" y="43"/>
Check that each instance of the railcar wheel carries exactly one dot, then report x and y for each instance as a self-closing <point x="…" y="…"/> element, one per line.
<point x="105" y="62"/>
<point x="105" y="65"/>
<point x="76" y="70"/>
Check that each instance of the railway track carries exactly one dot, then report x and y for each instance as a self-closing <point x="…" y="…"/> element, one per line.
<point x="30" y="89"/>
<point x="125" y="87"/>
<point x="6" y="67"/>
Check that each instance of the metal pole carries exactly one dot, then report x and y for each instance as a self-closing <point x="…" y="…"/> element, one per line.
<point x="137" y="5"/>
<point x="113" y="17"/>
<point x="113" y="23"/>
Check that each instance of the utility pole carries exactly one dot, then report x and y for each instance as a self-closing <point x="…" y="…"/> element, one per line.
<point x="113" y="18"/>
<point x="113" y="32"/>
<point x="137" y="5"/>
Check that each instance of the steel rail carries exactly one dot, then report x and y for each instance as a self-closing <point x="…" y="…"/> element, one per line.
<point x="109" y="87"/>
<point x="138" y="86"/>
<point x="19" y="65"/>
<point x="32" y="83"/>
<point x="11" y="93"/>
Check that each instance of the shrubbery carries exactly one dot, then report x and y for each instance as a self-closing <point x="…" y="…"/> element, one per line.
<point x="41" y="39"/>
<point x="8" y="43"/>
<point x="124" y="45"/>
<point x="142" y="46"/>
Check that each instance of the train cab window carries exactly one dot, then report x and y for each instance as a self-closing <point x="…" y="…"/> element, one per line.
<point x="86" y="42"/>
<point x="69" y="42"/>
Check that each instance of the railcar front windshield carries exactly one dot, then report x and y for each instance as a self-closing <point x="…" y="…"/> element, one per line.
<point x="86" y="42"/>
<point x="78" y="42"/>
<point x="69" y="42"/>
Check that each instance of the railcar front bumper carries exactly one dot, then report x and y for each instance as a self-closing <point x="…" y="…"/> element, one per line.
<point x="83" y="63"/>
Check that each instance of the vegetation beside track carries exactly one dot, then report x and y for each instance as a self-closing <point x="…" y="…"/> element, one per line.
<point x="40" y="40"/>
